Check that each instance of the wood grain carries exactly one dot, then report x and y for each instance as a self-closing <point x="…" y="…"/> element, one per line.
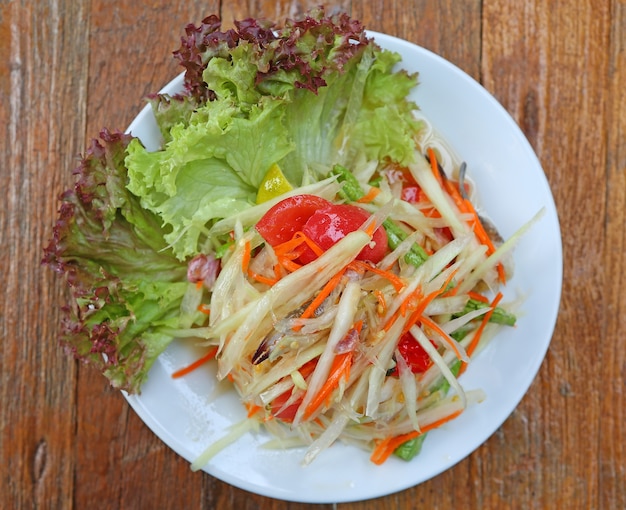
<point x="70" y="67"/>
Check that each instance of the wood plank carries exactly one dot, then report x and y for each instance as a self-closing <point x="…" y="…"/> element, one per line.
<point x="37" y="135"/>
<point x="533" y="57"/>
<point x="449" y="28"/>
<point x="612" y="332"/>
<point x="122" y="461"/>
<point x="70" y="67"/>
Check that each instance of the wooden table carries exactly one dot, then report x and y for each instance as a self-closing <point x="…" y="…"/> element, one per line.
<point x="70" y="67"/>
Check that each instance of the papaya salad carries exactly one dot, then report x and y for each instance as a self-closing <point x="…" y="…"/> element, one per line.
<point x="302" y="222"/>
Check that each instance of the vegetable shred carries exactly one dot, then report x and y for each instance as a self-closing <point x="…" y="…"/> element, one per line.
<point x="304" y="223"/>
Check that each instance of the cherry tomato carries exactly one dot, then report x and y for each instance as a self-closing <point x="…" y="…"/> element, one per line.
<point x="400" y="174"/>
<point x="288" y="216"/>
<point x="327" y="226"/>
<point x="414" y="354"/>
<point x="413" y="194"/>
<point x="288" y="413"/>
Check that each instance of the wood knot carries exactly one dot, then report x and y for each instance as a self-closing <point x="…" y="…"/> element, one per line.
<point x="40" y="458"/>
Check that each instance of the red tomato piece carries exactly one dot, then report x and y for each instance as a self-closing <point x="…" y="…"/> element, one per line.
<point x="288" y="216"/>
<point x="286" y="414"/>
<point x="327" y="226"/>
<point x="414" y="354"/>
<point x="412" y="194"/>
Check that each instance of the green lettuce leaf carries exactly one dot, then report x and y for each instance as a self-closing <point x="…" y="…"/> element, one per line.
<point x="308" y="96"/>
<point x="125" y="286"/>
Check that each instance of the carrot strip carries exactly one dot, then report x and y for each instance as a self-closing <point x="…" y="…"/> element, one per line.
<point x="199" y="362"/>
<point x="456" y="197"/>
<point x="204" y="309"/>
<point x="262" y="279"/>
<point x="386" y="447"/>
<point x="411" y="302"/>
<point x="434" y="166"/>
<point x="427" y="321"/>
<point x="324" y="293"/>
<point x="397" y="282"/>
<point x="340" y="368"/>
<point x="252" y="409"/>
<point x="397" y="314"/>
<point x="501" y="273"/>
<point x="288" y="264"/>
<point x="247" y="254"/>
<point x="310" y="243"/>
<point x="417" y="314"/>
<point x="478" y="297"/>
<point x="369" y="196"/>
<point x="475" y="341"/>
<point x="288" y="246"/>
<point x="484" y="238"/>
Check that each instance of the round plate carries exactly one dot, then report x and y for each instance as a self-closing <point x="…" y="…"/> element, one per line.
<point x="192" y="412"/>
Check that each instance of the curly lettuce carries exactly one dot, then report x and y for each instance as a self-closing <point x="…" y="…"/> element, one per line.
<point x="125" y="285"/>
<point x="312" y="94"/>
<point x="307" y="96"/>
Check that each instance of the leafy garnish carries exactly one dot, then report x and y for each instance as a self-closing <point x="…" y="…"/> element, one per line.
<point x="125" y="285"/>
<point x="314" y="93"/>
<point x="306" y="96"/>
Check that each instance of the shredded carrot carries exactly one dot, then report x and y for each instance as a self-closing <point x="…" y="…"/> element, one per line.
<point x="262" y="279"/>
<point x="340" y="368"/>
<point x="419" y="310"/>
<point x="478" y="297"/>
<point x="396" y="315"/>
<point x="358" y="325"/>
<point x="411" y="302"/>
<point x="369" y="196"/>
<point x="252" y="409"/>
<point x="431" y="212"/>
<point x="501" y="273"/>
<point x="483" y="237"/>
<point x="371" y="228"/>
<point x="434" y="166"/>
<point x="199" y="362"/>
<point x="396" y="281"/>
<point x="430" y="297"/>
<point x="476" y="339"/>
<point x="427" y="321"/>
<point x="199" y="284"/>
<point x="386" y="447"/>
<point x="288" y="246"/>
<point x="456" y="197"/>
<point x="289" y="264"/>
<point x="245" y="259"/>
<point x="311" y="244"/>
<point x="204" y="309"/>
<point x="323" y="294"/>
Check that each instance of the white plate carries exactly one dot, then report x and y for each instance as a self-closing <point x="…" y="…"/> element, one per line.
<point x="190" y="413"/>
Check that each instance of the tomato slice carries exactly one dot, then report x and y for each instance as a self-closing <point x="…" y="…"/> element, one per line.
<point x="286" y="414"/>
<point x="327" y="226"/>
<point x="414" y="354"/>
<point x="288" y="216"/>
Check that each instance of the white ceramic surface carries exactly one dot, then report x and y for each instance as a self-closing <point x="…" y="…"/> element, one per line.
<point x="190" y="413"/>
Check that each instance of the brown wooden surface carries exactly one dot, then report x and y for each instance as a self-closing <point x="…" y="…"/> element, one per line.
<point x="70" y="67"/>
